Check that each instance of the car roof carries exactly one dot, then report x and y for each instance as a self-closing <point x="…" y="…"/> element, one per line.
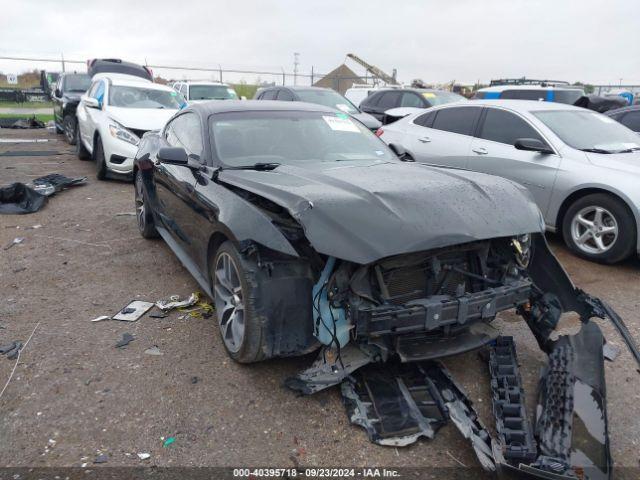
<point x="521" y="105"/>
<point x="415" y="90"/>
<point x="208" y="108"/>
<point x="130" y="81"/>
<point x="203" y="82"/>
<point x="502" y="88"/>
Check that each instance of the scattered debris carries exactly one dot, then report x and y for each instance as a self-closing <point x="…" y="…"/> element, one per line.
<point x="15" y="241"/>
<point x="455" y="459"/>
<point x="127" y="338"/>
<point x="11" y="350"/>
<point x="610" y="351"/>
<point x="15" y="365"/>
<point x="126" y="214"/>
<point x="101" y="318"/>
<point x="153" y="351"/>
<point x="144" y="456"/>
<point x="168" y="441"/>
<point x="102" y="458"/>
<point x="57" y="181"/>
<point x="194" y="380"/>
<point x="175" y="302"/>
<point x="133" y="311"/>
<point x="158" y="315"/>
<point x="22" y="123"/>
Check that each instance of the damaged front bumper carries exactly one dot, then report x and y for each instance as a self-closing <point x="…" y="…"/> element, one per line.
<point x="399" y="393"/>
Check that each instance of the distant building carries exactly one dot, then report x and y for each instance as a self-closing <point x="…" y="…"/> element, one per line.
<point x="340" y="79"/>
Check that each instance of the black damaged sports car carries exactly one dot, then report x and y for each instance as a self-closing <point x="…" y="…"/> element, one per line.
<point x="310" y="233"/>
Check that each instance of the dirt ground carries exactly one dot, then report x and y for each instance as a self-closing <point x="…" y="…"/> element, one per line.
<point x="74" y="395"/>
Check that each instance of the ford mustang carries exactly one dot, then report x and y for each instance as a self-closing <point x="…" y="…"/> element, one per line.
<point x="309" y="233"/>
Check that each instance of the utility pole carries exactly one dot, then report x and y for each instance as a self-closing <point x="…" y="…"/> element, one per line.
<point x="62" y="56"/>
<point x="296" y="62"/>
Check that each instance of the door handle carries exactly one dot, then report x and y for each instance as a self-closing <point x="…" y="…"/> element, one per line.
<point x="481" y="151"/>
<point x="424" y="139"/>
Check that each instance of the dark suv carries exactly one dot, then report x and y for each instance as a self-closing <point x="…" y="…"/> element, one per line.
<point x="379" y="102"/>
<point x="66" y="96"/>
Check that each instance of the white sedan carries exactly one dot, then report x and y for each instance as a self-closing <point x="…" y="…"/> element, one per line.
<point x="114" y="114"/>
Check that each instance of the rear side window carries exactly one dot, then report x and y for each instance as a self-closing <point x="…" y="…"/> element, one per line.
<point x="425" y="120"/>
<point x="457" y="120"/>
<point x="285" y="95"/>
<point x="505" y="127"/>
<point x="631" y="120"/>
<point x="410" y="99"/>
<point x="524" y="94"/>
<point x="388" y="100"/>
<point x="269" y="95"/>
<point x="480" y="95"/>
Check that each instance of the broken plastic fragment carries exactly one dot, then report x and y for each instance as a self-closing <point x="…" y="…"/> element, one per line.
<point x="127" y="338"/>
<point x="168" y="441"/>
<point x="16" y="241"/>
<point x="133" y="311"/>
<point x="175" y="302"/>
<point x="144" y="456"/>
<point x="153" y="351"/>
<point x="101" y="318"/>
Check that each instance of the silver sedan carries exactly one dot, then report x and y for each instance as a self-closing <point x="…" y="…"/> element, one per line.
<point x="582" y="168"/>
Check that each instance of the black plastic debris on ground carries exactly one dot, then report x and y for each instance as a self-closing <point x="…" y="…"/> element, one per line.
<point x="20" y="122"/>
<point x="17" y="198"/>
<point x="11" y="350"/>
<point x="127" y="338"/>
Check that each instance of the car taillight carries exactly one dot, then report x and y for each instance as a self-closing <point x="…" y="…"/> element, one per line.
<point x="379" y="132"/>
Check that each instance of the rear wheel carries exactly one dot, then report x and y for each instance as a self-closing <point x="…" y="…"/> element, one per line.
<point x="241" y="330"/>
<point x="81" y="152"/>
<point x="600" y="227"/>
<point x="101" y="164"/>
<point x="144" y="215"/>
<point x="69" y="124"/>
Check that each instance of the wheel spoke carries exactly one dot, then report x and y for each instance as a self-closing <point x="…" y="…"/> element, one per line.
<point x="222" y="280"/>
<point x="599" y="244"/>
<point x="597" y="218"/>
<point x="609" y="230"/>
<point x="584" y="237"/>
<point x="237" y="330"/>
<point x="583" y="221"/>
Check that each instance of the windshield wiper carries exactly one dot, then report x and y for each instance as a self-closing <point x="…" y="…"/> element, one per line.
<point x="261" y="167"/>
<point x="595" y="150"/>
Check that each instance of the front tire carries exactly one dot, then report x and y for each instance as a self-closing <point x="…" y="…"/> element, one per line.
<point x="601" y="228"/>
<point x="144" y="215"/>
<point x="101" y="164"/>
<point x="70" y="125"/>
<point x="241" y="330"/>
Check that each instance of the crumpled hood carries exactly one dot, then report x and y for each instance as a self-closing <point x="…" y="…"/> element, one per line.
<point x="365" y="212"/>
<point x="625" y="162"/>
<point x="141" y="118"/>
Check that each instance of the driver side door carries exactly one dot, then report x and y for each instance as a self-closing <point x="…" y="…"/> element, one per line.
<point x="175" y="184"/>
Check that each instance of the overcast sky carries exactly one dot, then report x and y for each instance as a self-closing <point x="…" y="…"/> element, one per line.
<point x="436" y="40"/>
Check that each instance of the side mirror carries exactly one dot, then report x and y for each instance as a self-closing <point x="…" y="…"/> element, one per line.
<point x="400" y="152"/>
<point x="57" y="93"/>
<point x="532" y="145"/>
<point x="173" y="156"/>
<point x="178" y="156"/>
<point x="91" y="102"/>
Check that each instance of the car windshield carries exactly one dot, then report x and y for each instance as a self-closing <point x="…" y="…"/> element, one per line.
<point x="567" y="96"/>
<point x="293" y="137"/>
<point x="328" y="98"/>
<point x="440" y="98"/>
<point x="140" y="97"/>
<point x="589" y="131"/>
<point x="76" y="83"/>
<point x="212" y="92"/>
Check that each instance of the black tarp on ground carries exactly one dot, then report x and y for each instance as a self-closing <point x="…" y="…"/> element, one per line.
<point x="17" y="198"/>
<point x="20" y="122"/>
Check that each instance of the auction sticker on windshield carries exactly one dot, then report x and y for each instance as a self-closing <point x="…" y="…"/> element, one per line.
<point x="341" y="124"/>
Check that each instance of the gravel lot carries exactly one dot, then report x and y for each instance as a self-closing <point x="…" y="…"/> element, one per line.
<point x="74" y="395"/>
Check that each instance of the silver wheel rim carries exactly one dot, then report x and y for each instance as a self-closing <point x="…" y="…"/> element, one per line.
<point x="139" y="202"/>
<point x="229" y="300"/>
<point x="594" y="230"/>
<point x="68" y="131"/>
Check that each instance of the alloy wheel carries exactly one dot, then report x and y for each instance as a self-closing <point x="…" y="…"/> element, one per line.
<point x="139" y="198"/>
<point x="594" y="230"/>
<point x="229" y="300"/>
<point x="69" y="130"/>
